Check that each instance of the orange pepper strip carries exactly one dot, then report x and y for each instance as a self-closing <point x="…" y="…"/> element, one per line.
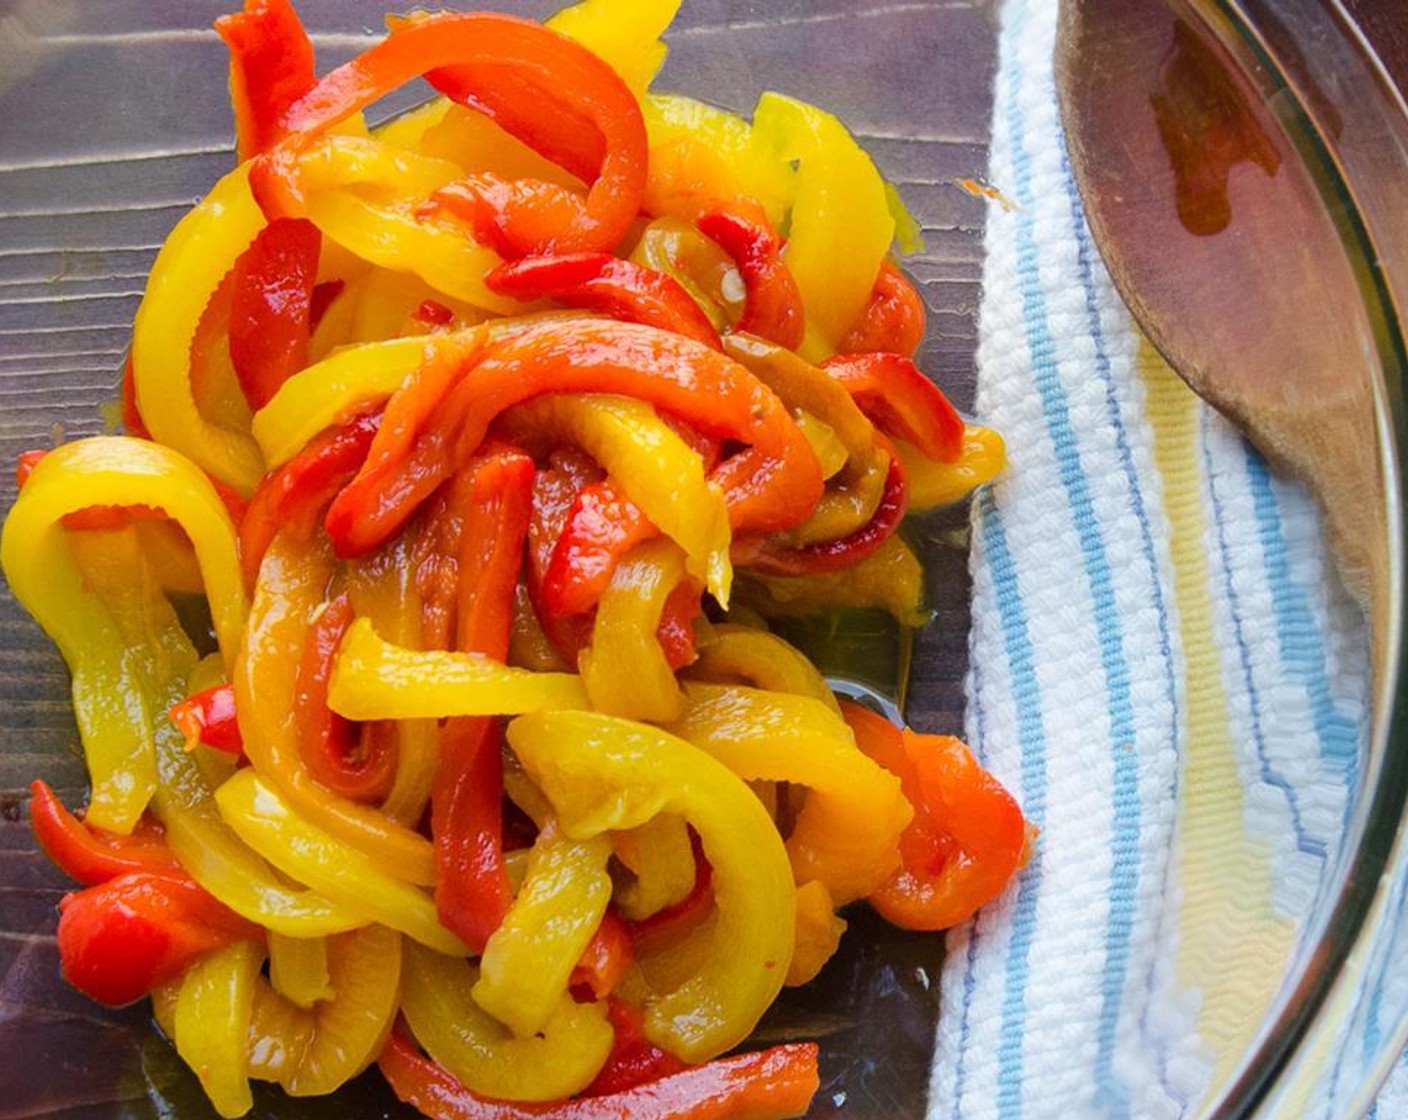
<point x="892" y="322"/>
<point x="773" y="484"/>
<point x="93" y="855"/>
<point x="765" y="1085"/>
<point x="513" y="61"/>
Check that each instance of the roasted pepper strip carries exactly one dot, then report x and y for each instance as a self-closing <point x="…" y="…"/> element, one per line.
<point x="774" y="306"/>
<point x="892" y="322"/>
<point x="633" y="1060"/>
<point x="935" y="484"/>
<point x="773" y="484"/>
<point x="624" y="669"/>
<point x="298" y="968"/>
<point x="208" y="717"/>
<point x="195" y="258"/>
<point x="601" y="526"/>
<point x="847" y="833"/>
<point x="968" y="837"/>
<point x="765" y="1085"/>
<point x="604" y="773"/>
<point x="123" y="937"/>
<point x="841" y="226"/>
<point x="211" y="1024"/>
<point x="819" y="931"/>
<point x="44" y="576"/>
<point x="625" y="33"/>
<point x="763" y="660"/>
<point x="902" y="401"/>
<point x="92" y="855"/>
<point x="600" y="282"/>
<point x="373" y="679"/>
<point x="272" y="307"/>
<point x="481" y="1053"/>
<point x="271" y="67"/>
<point x="528" y="961"/>
<point x="474" y="54"/>
<point x="304" y="852"/>
<point x="472" y="892"/>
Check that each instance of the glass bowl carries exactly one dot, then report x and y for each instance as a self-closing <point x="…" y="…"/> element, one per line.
<point x="114" y="120"/>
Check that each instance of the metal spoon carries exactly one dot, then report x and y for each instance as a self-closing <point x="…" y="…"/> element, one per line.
<point x="1214" y="230"/>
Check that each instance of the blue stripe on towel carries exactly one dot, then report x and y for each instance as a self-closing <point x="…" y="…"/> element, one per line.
<point x="1126" y="808"/>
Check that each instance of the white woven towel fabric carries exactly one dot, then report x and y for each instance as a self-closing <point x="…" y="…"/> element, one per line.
<point x="1164" y="672"/>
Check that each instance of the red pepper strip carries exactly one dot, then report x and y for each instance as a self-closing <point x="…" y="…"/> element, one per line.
<point x="903" y="402"/>
<point x="25" y="462"/>
<point x="765" y="1085"/>
<point x="472" y="892"/>
<point x="893" y="320"/>
<point x="336" y="752"/>
<point x="132" y="422"/>
<point x="93" y="855"/>
<point x="271" y="67"/>
<point x="773" y="309"/>
<point x="511" y="61"/>
<point x="633" y="1060"/>
<point x="601" y="526"/>
<point x="294" y="496"/>
<point x="600" y="282"/>
<point x="209" y="717"/>
<point x="119" y="940"/>
<point x="272" y="307"/>
<point x="668" y="927"/>
<point x="774" y="483"/>
<point x="676" y="630"/>
<point x="605" y="959"/>
<point x="968" y="836"/>
<point x="555" y="490"/>
<point x="763" y="554"/>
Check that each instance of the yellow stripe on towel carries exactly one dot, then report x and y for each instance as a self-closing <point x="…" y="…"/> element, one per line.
<point x="1229" y="934"/>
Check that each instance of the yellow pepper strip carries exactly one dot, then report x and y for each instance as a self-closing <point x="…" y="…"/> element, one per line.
<point x="477" y="145"/>
<point x="482" y="1053"/>
<point x="826" y="445"/>
<point x="298" y="968"/>
<point x="329" y="1044"/>
<point x="195" y="258"/>
<point x="702" y="157"/>
<point x="849" y="501"/>
<point x="661" y="857"/>
<point x="307" y="854"/>
<point x="279" y="1034"/>
<point x="909" y="234"/>
<point x="408" y="129"/>
<point x="623" y="33"/>
<point x="292" y="581"/>
<point x="364" y="195"/>
<point x="383" y="589"/>
<point x="528" y="961"/>
<point x="383" y="304"/>
<point x="169" y="554"/>
<point x="841" y="226"/>
<point x="602" y="773"/>
<point x="104" y="660"/>
<point x="847" y="833"/>
<point x="624" y="669"/>
<point x="763" y="660"/>
<point x="657" y="470"/>
<point x="819" y="931"/>
<point x="373" y="679"/>
<point x="936" y="484"/>
<point x="890" y="579"/>
<point x="211" y="1022"/>
<point x="673" y="246"/>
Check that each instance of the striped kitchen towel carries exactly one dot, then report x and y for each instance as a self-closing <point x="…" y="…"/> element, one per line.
<point x="1164" y="671"/>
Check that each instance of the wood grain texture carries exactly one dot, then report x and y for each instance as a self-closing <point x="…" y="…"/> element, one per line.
<point x="113" y="120"/>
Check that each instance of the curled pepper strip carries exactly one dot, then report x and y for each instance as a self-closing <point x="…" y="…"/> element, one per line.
<point x="602" y="773"/>
<point x="765" y="1085"/>
<point x="603" y="283"/>
<point x="847" y="833"/>
<point x="476" y="53"/>
<point x="45" y="577"/>
<point x="481" y="1053"/>
<point x="271" y="67"/>
<point x="528" y="962"/>
<point x="968" y="836"/>
<point x="92" y="855"/>
<point x="935" y="484"/>
<point x="772" y="484"/>
<point x="272" y="305"/>
<point x="211" y="1023"/>
<point x="601" y="526"/>
<point x="194" y="260"/>
<point x="892" y="322"/>
<point x="306" y="853"/>
<point x="208" y="717"/>
<point x="774" y="306"/>
<point x="892" y="391"/>
<point x="762" y="659"/>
